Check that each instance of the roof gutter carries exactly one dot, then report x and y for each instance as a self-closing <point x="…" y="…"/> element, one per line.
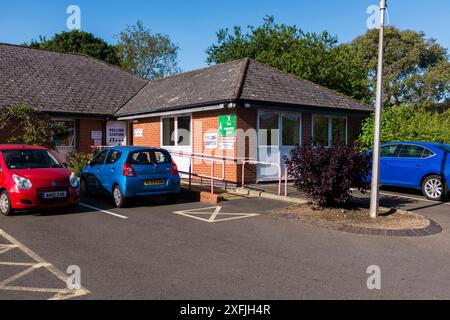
<point x="173" y="112"/>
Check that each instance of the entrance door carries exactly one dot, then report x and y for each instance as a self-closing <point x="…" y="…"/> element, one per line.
<point x="290" y="136"/>
<point x="177" y="138"/>
<point x="268" y="145"/>
<point x="273" y="146"/>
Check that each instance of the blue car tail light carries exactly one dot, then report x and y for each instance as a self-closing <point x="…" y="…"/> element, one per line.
<point x="128" y="170"/>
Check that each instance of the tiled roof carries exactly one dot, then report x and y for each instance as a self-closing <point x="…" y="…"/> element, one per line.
<point x="241" y="80"/>
<point x="74" y="83"/>
<point x="61" y="82"/>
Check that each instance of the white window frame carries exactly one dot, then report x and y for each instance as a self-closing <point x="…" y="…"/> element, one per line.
<point x="330" y="126"/>
<point x="280" y="127"/>
<point x="175" y="132"/>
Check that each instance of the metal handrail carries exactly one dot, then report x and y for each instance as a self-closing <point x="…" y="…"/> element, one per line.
<point x="278" y="165"/>
<point x="213" y="159"/>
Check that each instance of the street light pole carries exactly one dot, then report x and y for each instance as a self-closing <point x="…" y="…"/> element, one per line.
<point x="374" y="199"/>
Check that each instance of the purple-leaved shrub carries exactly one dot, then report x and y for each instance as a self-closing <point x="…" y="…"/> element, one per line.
<point x="326" y="175"/>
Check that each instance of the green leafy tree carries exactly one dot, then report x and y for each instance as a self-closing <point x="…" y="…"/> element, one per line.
<point x="311" y="56"/>
<point x="406" y="123"/>
<point x="151" y="56"/>
<point x="27" y="126"/>
<point x="79" y="42"/>
<point x="416" y="69"/>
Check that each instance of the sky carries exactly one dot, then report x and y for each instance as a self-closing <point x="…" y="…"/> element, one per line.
<point x="192" y="24"/>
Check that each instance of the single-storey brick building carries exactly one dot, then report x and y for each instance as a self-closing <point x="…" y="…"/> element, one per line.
<point x="241" y="109"/>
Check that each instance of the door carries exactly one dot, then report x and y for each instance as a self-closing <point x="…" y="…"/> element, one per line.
<point x="290" y="136"/>
<point x="388" y="155"/>
<point x="177" y="138"/>
<point x="273" y="147"/>
<point x="95" y="175"/>
<point x="110" y="170"/>
<point x="410" y="166"/>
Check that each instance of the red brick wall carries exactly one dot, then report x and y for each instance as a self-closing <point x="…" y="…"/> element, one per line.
<point x="152" y="132"/>
<point x="207" y="122"/>
<point x="247" y="122"/>
<point x="84" y="133"/>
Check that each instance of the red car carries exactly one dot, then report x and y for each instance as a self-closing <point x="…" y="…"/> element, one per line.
<point x="34" y="178"/>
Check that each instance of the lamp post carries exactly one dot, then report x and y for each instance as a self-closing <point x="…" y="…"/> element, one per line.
<point x="374" y="199"/>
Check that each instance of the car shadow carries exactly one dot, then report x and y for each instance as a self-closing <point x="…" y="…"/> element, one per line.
<point x="105" y="202"/>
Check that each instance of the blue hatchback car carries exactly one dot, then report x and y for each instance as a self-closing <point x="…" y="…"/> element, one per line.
<point x="419" y="165"/>
<point x="126" y="172"/>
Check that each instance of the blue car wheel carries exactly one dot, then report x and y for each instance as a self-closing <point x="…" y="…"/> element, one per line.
<point x="119" y="198"/>
<point x="433" y="188"/>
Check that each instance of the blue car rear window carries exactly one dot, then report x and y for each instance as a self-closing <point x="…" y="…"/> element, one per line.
<point x="146" y="157"/>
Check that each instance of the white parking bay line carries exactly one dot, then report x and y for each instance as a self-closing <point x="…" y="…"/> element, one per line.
<point x="104" y="211"/>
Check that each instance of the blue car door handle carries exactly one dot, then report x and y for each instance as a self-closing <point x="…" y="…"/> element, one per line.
<point x="113" y="169"/>
<point x="419" y="165"/>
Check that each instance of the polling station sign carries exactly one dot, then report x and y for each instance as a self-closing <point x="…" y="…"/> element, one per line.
<point x="116" y="133"/>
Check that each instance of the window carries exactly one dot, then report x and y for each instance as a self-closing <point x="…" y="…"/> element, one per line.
<point x="291" y="129"/>
<point x="184" y="131"/>
<point x="411" y="151"/>
<point x="427" y="154"/>
<point x="30" y="159"/>
<point x="168" y="131"/>
<point x="389" y="151"/>
<point x="149" y="157"/>
<point x="320" y="131"/>
<point x="327" y="130"/>
<point x="113" y="156"/>
<point x="339" y="130"/>
<point x="161" y="157"/>
<point x="268" y="129"/>
<point x="176" y="131"/>
<point x="100" y="158"/>
<point x="64" y="133"/>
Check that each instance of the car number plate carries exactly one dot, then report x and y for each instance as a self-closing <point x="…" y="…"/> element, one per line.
<point x="54" y="195"/>
<point x="154" y="182"/>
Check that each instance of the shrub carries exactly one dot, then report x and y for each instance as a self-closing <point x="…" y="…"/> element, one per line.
<point x="327" y="174"/>
<point x="407" y="123"/>
<point x="27" y="126"/>
<point x="77" y="161"/>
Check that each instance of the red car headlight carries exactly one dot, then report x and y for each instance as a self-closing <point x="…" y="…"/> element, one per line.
<point x="21" y="182"/>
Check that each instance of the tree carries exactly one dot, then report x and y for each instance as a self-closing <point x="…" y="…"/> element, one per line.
<point x="27" y="126"/>
<point x="151" y="56"/>
<point x="311" y="56"/>
<point x="79" y="42"/>
<point x="406" y="123"/>
<point x="416" y="69"/>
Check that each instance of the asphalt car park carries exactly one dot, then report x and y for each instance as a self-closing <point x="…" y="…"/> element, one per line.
<point x="239" y="249"/>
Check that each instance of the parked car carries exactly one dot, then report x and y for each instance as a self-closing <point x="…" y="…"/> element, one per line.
<point x="420" y="165"/>
<point x="34" y="178"/>
<point x="126" y="172"/>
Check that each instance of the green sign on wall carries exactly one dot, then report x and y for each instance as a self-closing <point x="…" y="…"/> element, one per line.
<point x="227" y="125"/>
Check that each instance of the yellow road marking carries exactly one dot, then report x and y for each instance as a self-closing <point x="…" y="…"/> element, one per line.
<point x="60" y="294"/>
